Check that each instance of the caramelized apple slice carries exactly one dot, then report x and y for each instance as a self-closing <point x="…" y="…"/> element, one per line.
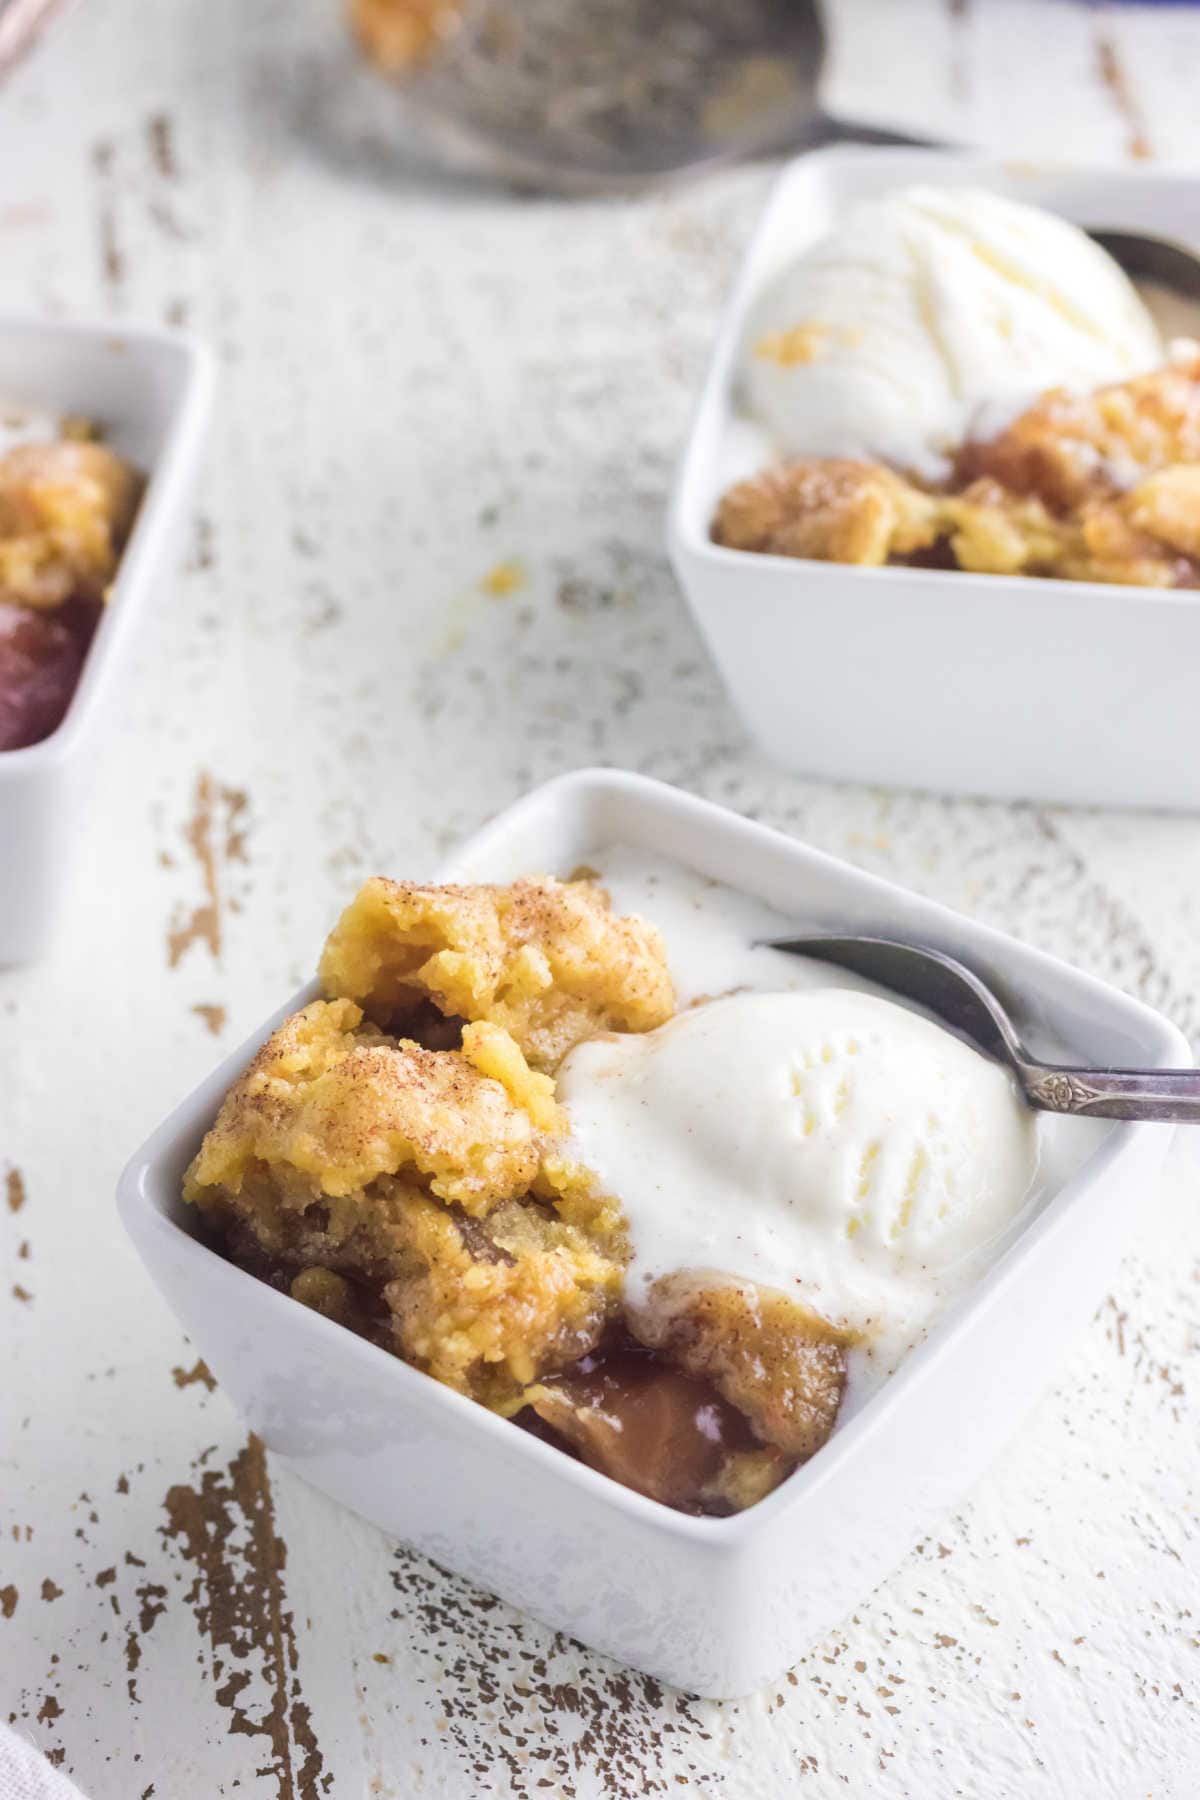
<point x="765" y="1353"/>
<point x="659" y="1431"/>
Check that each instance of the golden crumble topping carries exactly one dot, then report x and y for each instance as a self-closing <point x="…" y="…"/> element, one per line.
<point x="66" y="508"/>
<point x="1094" y="487"/>
<point x="545" y="960"/>
<point x="333" y="1104"/>
<point x="994" y="532"/>
<point x="488" y="1308"/>
<point x="829" y="508"/>
<point x="425" y="1194"/>
<point x="394" y="1183"/>
<point x="1068" y="448"/>
<point x="1165" y="507"/>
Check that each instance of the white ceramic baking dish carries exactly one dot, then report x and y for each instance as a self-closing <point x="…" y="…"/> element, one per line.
<point x="717" y="1606"/>
<point x="983" y="684"/>
<point x="149" y="390"/>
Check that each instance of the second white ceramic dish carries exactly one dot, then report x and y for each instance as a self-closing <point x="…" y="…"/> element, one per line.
<point x="717" y="1606"/>
<point x="981" y="684"/>
<point x="149" y="390"/>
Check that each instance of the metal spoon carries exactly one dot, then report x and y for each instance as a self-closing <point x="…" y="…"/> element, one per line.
<point x="575" y="97"/>
<point x="638" y="113"/>
<point x="945" y="987"/>
<point x="1154" y="259"/>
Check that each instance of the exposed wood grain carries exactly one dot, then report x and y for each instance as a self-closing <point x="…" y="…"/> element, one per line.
<point x="215" y="836"/>
<point x="224" y="1525"/>
<point x="1115" y="76"/>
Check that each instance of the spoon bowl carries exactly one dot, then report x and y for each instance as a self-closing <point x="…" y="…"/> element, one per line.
<point x="954" y="994"/>
<point x="1155" y="259"/>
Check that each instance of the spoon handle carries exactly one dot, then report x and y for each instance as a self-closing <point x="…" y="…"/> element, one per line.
<point x="1165" y="1095"/>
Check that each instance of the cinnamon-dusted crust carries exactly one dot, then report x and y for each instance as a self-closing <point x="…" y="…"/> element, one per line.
<point x="334" y="1103"/>
<point x="424" y="1194"/>
<point x="1097" y="487"/>
<point x="1067" y="448"/>
<point x="830" y="508"/>
<point x="392" y="1188"/>
<point x="547" y="961"/>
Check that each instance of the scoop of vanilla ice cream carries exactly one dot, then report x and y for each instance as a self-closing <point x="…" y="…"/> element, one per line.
<point x="827" y="1143"/>
<point x="929" y="312"/>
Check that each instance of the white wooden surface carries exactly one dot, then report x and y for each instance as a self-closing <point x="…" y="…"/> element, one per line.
<point x="417" y="383"/>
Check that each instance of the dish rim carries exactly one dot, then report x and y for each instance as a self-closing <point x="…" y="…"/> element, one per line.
<point x="166" y="481"/>
<point x="144" y="1192"/>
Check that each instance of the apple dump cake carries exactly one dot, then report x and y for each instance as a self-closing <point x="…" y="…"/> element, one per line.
<point x="671" y="1202"/>
<point x="66" y="508"/>
<point x="953" y="380"/>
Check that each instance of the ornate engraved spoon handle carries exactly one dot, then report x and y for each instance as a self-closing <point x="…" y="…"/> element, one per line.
<point x="1165" y="1095"/>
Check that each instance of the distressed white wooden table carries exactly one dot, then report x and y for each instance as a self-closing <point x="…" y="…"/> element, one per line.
<point x="421" y="385"/>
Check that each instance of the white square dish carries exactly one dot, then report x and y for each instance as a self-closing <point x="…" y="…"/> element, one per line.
<point x="985" y="684"/>
<point x="149" y="390"/>
<point x="716" y="1606"/>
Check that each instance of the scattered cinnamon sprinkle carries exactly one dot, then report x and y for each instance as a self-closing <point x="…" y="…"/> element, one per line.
<point x="212" y="1015"/>
<point x="8" y="1601"/>
<point x="50" y="1590"/>
<point x="14" y="1183"/>
<point x="199" y="1372"/>
<point x="20" y="1293"/>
